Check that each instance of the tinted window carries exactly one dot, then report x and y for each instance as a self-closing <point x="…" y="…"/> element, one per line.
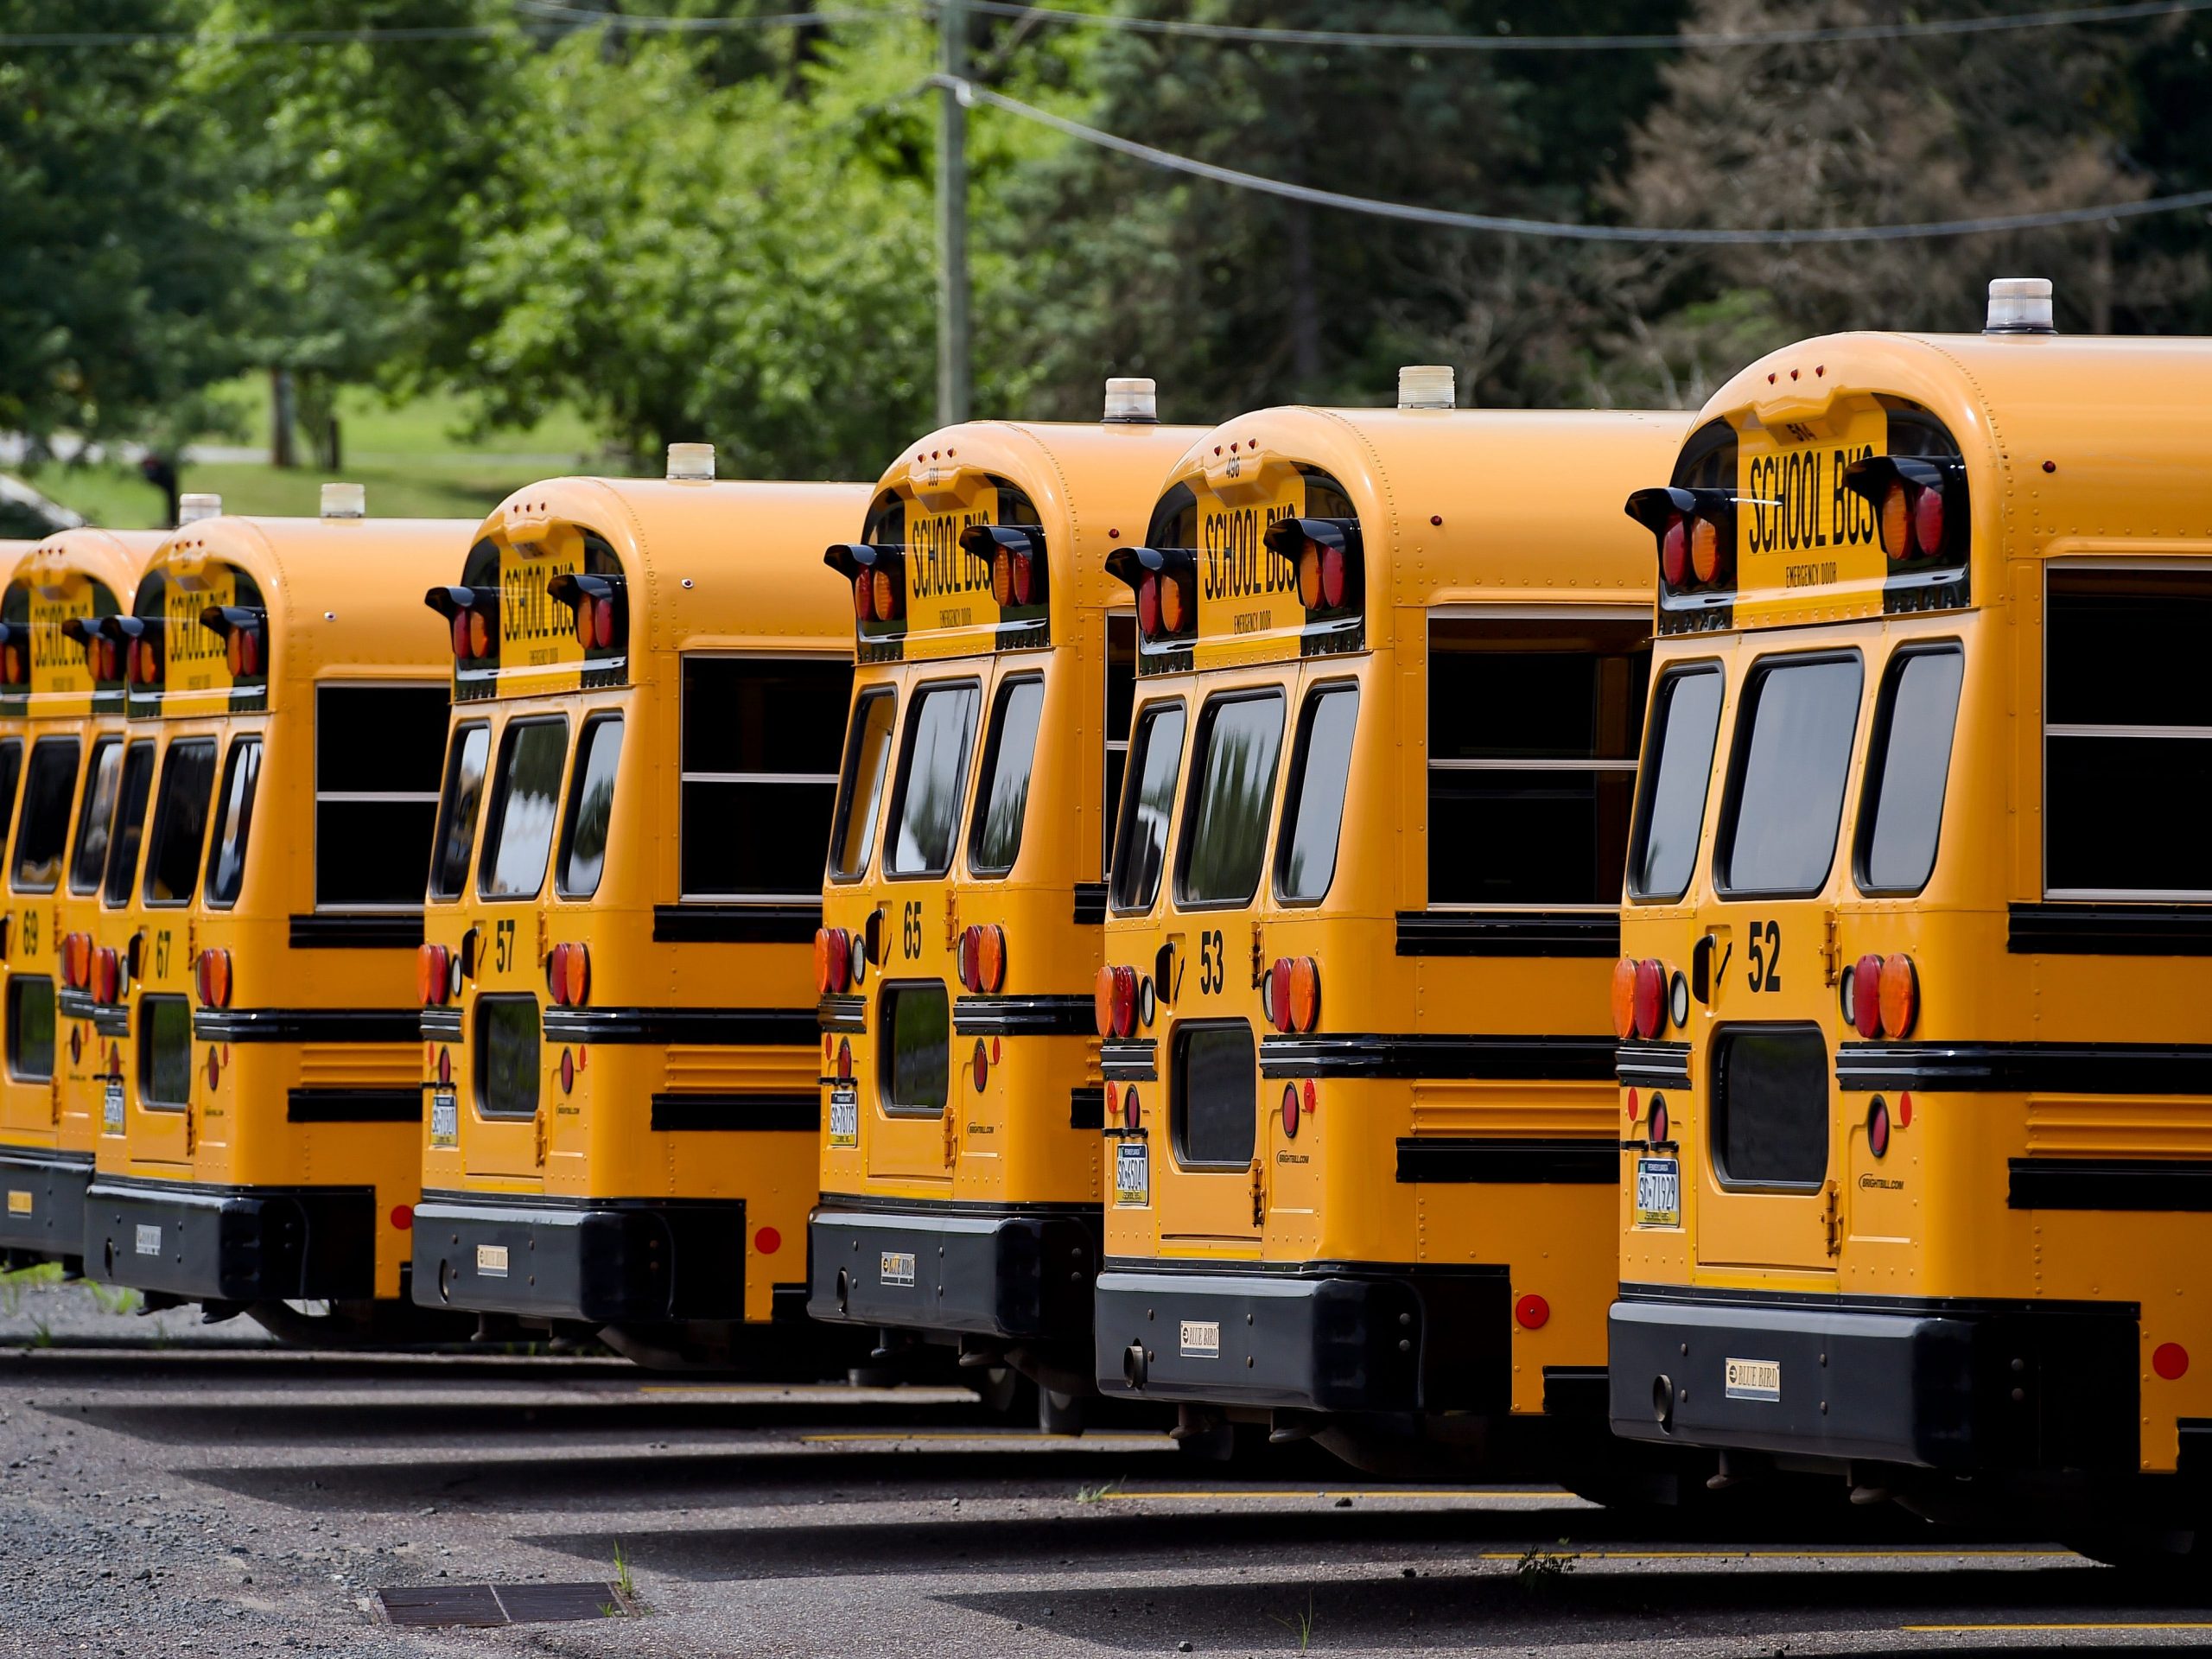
<point x="1770" y="1106"/>
<point x="165" y="1051"/>
<point x="506" y="1055"/>
<point x="130" y="823"/>
<point x="916" y="1064"/>
<point x="1785" y="787"/>
<point x="933" y="777"/>
<point x="860" y="789"/>
<point x="457" y="808"/>
<point x="1313" y="805"/>
<point x="1120" y="695"/>
<point x="378" y="749"/>
<point x="1215" y="1087"/>
<point x="1533" y="727"/>
<point x="760" y="738"/>
<point x="52" y="781"/>
<point x="180" y="821"/>
<point x="1908" y="768"/>
<point x="11" y="767"/>
<point x="591" y="807"/>
<point x="30" y="1028"/>
<point x="2126" y="707"/>
<point x="1141" y="845"/>
<point x="1232" y="796"/>
<point x="1678" y="771"/>
<point x="1003" y="796"/>
<point x="524" y="805"/>
<point x="96" y="814"/>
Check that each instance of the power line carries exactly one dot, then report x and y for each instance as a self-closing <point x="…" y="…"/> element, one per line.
<point x="552" y="10"/>
<point x="971" y="93"/>
<point x="1266" y="35"/>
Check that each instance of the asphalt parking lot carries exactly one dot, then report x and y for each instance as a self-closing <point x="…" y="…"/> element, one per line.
<point x="173" y="1489"/>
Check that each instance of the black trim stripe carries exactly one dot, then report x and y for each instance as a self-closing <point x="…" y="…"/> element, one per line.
<point x="841" y="1014"/>
<point x="2109" y="929"/>
<point x="2180" y="1186"/>
<point x="1024" y="1016"/>
<point x="835" y="1206"/>
<point x="112" y="1019"/>
<point x="736" y="923"/>
<point x="74" y="1005"/>
<point x="1509" y="933"/>
<point x="755" y="1113"/>
<point x="730" y="1027"/>
<point x="1658" y="1295"/>
<point x="1128" y="1061"/>
<point x="1475" y="1159"/>
<point x="441" y="1024"/>
<point x="353" y="1105"/>
<point x="1420" y="1054"/>
<point x="1086" y="1108"/>
<point x="339" y="930"/>
<point x="2021" y="1068"/>
<point x="1089" y="904"/>
<point x="307" y="1025"/>
<point x="1653" y="1065"/>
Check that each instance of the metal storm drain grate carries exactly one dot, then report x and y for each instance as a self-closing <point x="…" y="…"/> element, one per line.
<point x="484" y="1605"/>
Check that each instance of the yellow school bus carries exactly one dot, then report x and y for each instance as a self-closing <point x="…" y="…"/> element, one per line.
<point x="61" y="725"/>
<point x="649" y="692"/>
<point x="1915" y="935"/>
<point x="1362" y="910"/>
<point x="257" y="1142"/>
<point x="962" y="903"/>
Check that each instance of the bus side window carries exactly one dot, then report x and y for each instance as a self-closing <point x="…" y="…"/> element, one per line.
<point x="1786" y="768"/>
<point x="96" y="815"/>
<point x="180" y="821"/>
<point x="759" y="752"/>
<point x="49" y="785"/>
<point x="1141" y="844"/>
<point x="1003" y="796"/>
<point x="2125" y="708"/>
<point x="591" y="808"/>
<point x="1908" y="767"/>
<point x="130" y="824"/>
<point x="378" y="749"/>
<point x="11" y="769"/>
<point x="233" y="818"/>
<point x="1313" y="805"/>
<point x="1677" y="775"/>
<point x="860" y="788"/>
<point x="1533" y="728"/>
<point x="1121" y="696"/>
<point x="455" y="838"/>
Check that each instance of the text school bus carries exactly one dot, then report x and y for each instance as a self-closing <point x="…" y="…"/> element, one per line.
<point x="1363" y="910"/>
<point x="649" y="690"/>
<point x="60" y="701"/>
<point x="257" y="1141"/>
<point x="1918" y="918"/>
<point x="960" y="1173"/>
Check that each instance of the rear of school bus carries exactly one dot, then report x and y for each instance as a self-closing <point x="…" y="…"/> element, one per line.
<point x="1916" y="932"/>
<point x="650" y="684"/>
<point x="960" y="1173"/>
<point x="1359" y="1098"/>
<point x="60" y="734"/>
<point x="257" y="1150"/>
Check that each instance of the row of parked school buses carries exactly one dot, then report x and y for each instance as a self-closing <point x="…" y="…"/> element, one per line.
<point x="1205" y="847"/>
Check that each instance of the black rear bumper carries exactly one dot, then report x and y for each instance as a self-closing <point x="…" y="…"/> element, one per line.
<point x="1021" y="1274"/>
<point x="232" y="1243"/>
<point x="43" y="1218"/>
<point x="601" y="1261"/>
<point x="1953" y="1386"/>
<point x="1325" y="1338"/>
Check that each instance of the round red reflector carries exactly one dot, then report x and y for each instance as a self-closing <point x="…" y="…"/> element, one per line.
<point x="402" y="1215"/>
<point x="1866" y="995"/>
<point x="568" y="1070"/>
<point x="1533" y="1311"/>
<point x="1675" y="552"/>
<point x="1113" y="1101"/>
<point x="1878" y="1128"/>
<point x="981" y="1064"/>
<point x="1905" y="1110"/>
<point x="1623" y="991"/>
<point x="1279" y="993"/>
<point x="1130" y="1109"/>
<point x="1174" y="605"/>
<point x="445" y="1068"/>
<point x="1656" y="1131"/>
<point x="1927" y="521"/>
<point x="1125" y="1001"/>
<point x="1900" y="996"/>
<point x="1149" y="606"/>
<point x="2169" y="1360"/>
<point x="1332" y="577"/>
<point x="1290" y="1111"/>
<point x="1309" y="1096"/>
<point x="1101" y="1001"/>
<point x="1651" y="998"/>
<point x="767" y="1240"/>
<point x="1635" y="1105"/>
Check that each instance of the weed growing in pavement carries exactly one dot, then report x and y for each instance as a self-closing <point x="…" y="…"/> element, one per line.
<point x="623" y="1581"/>
<point x="13" y="1284"/>
<point x="1299" y="1625"/>
<point x="1092" y="1494"/>
<point x="112" y="1298"/>
<point x="1538" y="1568"/>
<point x="41" y="1334"/>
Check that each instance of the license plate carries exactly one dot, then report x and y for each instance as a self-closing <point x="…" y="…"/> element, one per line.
<point x="491" y="1261"/>
<point x="895" y="1267"/>
<point x="19" y="1202"/>
<point x="1132" y="1173"/>
<point x="1658" y="1192"/>
<point x="845" y="1114"/>
<point x="111" y="1107"/>
<point x="148" y="1240"/>
<point x="445" y="1118"/>
<point x="1752" y="1379"/>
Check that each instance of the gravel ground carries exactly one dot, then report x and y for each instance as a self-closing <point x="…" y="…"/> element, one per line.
<point x="193" y="1493"/>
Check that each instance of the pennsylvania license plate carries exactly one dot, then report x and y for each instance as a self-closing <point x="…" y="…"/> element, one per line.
<point x="1132" y="1172"/>
<point x="111" y="1107"/>
<point x="445" y="1118"/>
<point x="845" y="1114"/>
<point x="1658" y="1192"/>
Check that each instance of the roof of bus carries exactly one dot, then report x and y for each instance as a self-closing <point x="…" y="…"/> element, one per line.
<point x="1499" y="504"/>
<point x="732" y="560"/>
<point x="117" y="558"/>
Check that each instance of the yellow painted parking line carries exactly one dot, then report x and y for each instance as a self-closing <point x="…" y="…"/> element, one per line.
<point x="1961" y="1629"/>
<point x="988" y="1437"/>
<point x="1156" y="1498"/>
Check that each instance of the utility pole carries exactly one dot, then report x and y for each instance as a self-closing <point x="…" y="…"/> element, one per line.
<point x="952" y="382"/>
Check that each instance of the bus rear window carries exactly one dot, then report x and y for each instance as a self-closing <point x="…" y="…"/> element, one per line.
<point x="130" y="825"/>
<point x="233" y="818"/>
<point x="760" y="738"/>
<point x="1121" y="696"/>
<point x="860" y="789"/>
<point x="377" y="753"/>
<point x="932" y="779"/>
<point x="591" y="807"/>
<point x="30" y="1028"/>
<point x="180" y="821"/>
<point x="455" y="837"/>
<point x="1533" y="727"/>
<point x="1908" y="769"/>
<point x="1231" y="799"/>
<point x="916" y="1064"/>
<point x="11" y="768"/>
<point x="1677" y="773"/>
<point x="165" y="1051"/>
<point x="1214" y="1090"/>
<point x="1003" y="796"/>
<point x="1770" y="1106"/>
<point x="96" y="815"/>
<point x="1141" y="844"/>
<point x="49" y="785"/>
<point x="507" y="1056"/>
<point x="524" y="805"/>
<point x="1313" y="805"/>
<point x="2127" y="734"/>
<point x="1785" y="783"/>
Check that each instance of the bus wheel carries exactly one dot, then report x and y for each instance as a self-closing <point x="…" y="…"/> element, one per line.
<point x="1058" y="1412"/>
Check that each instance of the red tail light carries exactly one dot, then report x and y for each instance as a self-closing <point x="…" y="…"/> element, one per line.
<point x="432" y="975"/>
<point x="833" y="959"/>
<point x="1332" y="577"/>
<point x="844" y="1060"/>
<point x="1674" y="557"/>
<point x="1656" y="1128"/>
<point x="1290" y="1111"/>
<point x="107" y="976"/>
<point x="145" y="662"/>
<point x="1129" y="1108"/>
<point x="1101" y="1001"/>
<point x="990" y="957"/>
<point x="460" y="633"/>
<point x="1878" y="1128"/>
<point x="1866" y="996"/>
<point x="1900" y="996"/>
<point x="1651" y="998"/>
<point x="1927" y="521"/>
<point x="568" y="975"/>
<point x="1149" y="606"/>
<point x="76" y="960"/>
<point x="981" y="1065"/>
<point x="1279" y="993"/>
<point x="212" y="975"/>
<point x="1125" y="1001"/>
<point x="864" y="597"/>
<point x="242" y="652"/>
<point x="1305" y="993"/>
<point x="971" y="945"/>
<point x="1624" y="993"/>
